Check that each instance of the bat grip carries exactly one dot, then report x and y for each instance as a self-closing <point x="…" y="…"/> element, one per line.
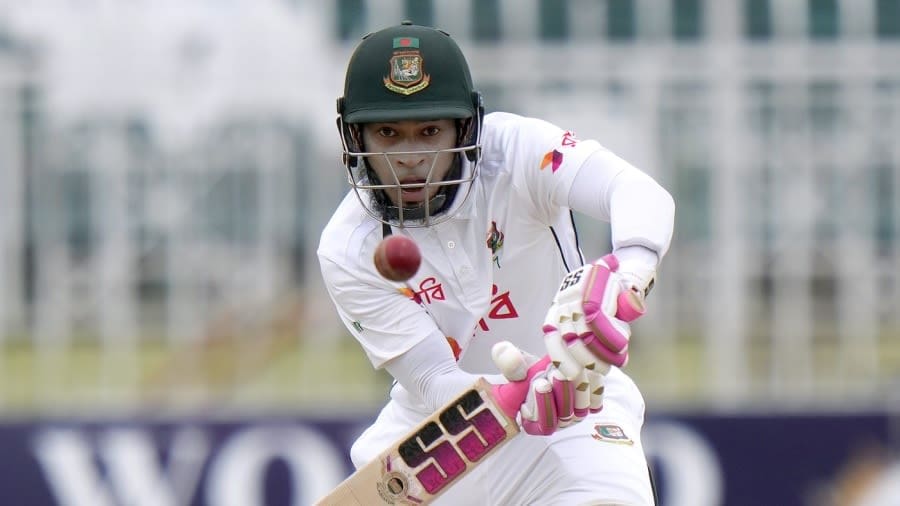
<point x="510" y="396"/>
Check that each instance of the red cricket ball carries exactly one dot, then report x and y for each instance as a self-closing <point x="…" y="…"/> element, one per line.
<point x="397" y="258"/>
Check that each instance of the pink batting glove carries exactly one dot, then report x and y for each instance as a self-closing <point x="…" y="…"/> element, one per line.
<point x="542" y="398"/>
<point x="587" y="327"/>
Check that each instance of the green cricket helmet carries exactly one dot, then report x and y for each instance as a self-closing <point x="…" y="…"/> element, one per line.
<point x="410" y="72"/>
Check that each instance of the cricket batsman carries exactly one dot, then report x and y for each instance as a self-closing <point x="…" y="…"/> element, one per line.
<point x="489" y="199"/>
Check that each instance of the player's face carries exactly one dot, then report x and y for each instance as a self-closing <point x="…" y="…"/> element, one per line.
<point x="411" y="155"/>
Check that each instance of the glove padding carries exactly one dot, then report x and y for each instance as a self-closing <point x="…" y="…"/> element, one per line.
<point x="540" y="395"/>
<point x="587" y="327"/>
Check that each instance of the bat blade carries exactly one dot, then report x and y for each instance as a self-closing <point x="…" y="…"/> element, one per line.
<point x="435" y="455"/>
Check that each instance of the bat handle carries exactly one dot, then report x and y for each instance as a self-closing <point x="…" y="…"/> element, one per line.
<point x="510" y="396"/>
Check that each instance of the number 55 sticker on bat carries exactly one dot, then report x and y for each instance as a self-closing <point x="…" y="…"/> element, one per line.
<point x="438" y="452"/>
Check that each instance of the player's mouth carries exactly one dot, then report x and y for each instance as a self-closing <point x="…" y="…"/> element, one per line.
<point x="416" y="193"/>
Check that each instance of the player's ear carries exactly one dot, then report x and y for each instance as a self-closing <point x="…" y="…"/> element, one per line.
<point x="468" y="134"/>
<point x="350" y="135"/>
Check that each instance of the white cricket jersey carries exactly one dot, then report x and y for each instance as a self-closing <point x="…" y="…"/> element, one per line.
<point x="488" y="274"/>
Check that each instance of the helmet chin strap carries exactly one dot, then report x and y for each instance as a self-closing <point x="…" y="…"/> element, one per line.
<point x="429" y="208"/>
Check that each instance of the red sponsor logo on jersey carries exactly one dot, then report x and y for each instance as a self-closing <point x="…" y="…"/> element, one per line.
<point x="569" y="140"/>
<point x="502" y="308"/>
<point x="429" y="290"/>
<point x="413" y="296"/>
<point x="553" y="159"/>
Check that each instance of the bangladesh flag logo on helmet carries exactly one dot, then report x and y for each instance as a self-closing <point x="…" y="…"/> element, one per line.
<point x="407" y="74"/>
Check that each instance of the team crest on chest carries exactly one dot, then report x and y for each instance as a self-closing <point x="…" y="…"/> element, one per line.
<point x="611" y="434"/>
<point x="495" y="242"/>
<point x="406" y="68"/>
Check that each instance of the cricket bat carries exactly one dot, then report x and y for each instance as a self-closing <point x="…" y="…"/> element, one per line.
<point x="442" y="449"/>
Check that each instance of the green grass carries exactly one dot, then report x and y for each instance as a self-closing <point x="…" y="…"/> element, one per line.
<point x="278" y="374"/>
<point x="282" y="372"/>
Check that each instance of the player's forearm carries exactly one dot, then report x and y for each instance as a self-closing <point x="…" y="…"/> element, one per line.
<point x="430" y="371"/>
<point x="641" y="212"/>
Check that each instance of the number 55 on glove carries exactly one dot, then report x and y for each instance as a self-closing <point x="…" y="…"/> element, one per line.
<point x="587" y="327"/>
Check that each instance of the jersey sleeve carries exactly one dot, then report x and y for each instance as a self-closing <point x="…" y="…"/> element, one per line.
<point x="380" y="314"/>
<point x="544" y="160"/>
<point x="641" y="212"/>
<point x="553" y="169"/>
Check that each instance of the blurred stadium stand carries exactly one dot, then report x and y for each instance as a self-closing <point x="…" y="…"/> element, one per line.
<point x="165" y="170"/>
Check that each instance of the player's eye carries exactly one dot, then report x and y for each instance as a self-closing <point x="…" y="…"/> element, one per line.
<point x="430" y="131"/>
<point x="387" y="132"/>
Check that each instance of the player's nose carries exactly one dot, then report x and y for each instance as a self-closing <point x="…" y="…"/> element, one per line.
<point x="409" y="159"/>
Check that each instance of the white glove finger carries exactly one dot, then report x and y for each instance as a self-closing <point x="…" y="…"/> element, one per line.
<point x="573" y="350"/>
<point x="582" y="395"/>
<point x="585" y="347"/>
<point x="579" y="351"/>
<point x="564" y="314"/>
<point x="539" y="411"/>
<point x="579" y="324"/>
<point x="563" y="394"/>
<point x="512" y="362"/>
<point x="595" y="380"/>
<point x="559" y="354"/>
<point x="529" y="407"/>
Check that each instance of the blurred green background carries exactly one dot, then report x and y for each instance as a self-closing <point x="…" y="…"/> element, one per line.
<point x="166" y="167"/>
